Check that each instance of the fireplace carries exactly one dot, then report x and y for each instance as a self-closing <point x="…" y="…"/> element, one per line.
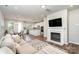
<point x="55" y="36"/>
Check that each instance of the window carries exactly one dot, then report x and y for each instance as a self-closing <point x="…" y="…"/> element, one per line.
<point x="10" y="26"/>
<point x="14" y="27"/>
<point x="19" y="27"/>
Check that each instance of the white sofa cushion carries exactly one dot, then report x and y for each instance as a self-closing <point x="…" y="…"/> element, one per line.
<point x="8" y="42"/>
<point x="1" y="40"/>
<point x="6" y="50"/>
<point x="22" y="42"/>
<point x="8" y="36"/>
<point x="16" y="38"/>
<point x="25" y="49"/>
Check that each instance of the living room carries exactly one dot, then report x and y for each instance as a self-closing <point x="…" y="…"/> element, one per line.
<point x="54" y="24"/>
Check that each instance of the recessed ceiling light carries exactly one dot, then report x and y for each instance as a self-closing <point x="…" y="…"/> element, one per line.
<point x="43" y="6"/>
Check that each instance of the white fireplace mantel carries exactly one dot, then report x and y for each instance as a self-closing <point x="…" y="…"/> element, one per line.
<point x="56" y="31"/>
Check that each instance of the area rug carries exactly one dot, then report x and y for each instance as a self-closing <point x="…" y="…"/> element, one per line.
<point x="37" y="44"/>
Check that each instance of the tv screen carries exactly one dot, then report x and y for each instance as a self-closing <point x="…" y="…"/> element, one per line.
<point x="55" y="22"/>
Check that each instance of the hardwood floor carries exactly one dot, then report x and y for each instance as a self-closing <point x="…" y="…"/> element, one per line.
<point x="70" y="48"/>
<point x="40" y="37"/>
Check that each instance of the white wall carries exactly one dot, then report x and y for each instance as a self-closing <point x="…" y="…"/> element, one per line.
<point x="39" y="24"/>
<point x="60" y="14"/>
<point x="26" y="25"/>
<point x="45" y="26"/>
<point x="1" y="25"/>
<point x="74" y="26"/>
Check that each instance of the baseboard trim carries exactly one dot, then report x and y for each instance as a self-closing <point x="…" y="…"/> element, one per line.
<point x="74" y="43"/>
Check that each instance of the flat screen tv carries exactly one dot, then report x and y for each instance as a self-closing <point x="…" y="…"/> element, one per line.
<point x="55" y="22"/>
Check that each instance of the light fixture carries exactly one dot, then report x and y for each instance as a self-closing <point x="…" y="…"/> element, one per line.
<point x="43" y="6"/>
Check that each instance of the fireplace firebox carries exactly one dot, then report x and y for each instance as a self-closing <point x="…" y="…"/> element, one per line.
<point x="55" y="36"/>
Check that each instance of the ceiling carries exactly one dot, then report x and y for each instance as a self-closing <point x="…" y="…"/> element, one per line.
<point x="29" y="13"/>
